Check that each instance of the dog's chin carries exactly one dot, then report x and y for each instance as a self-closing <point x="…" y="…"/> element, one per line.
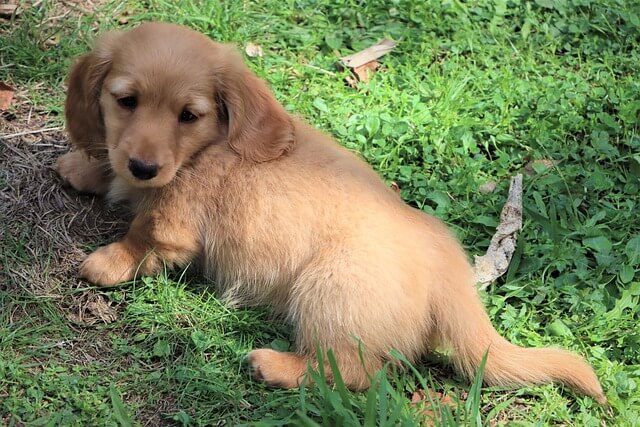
<point x="159" y="181"/>
<point x="150" y="183"/>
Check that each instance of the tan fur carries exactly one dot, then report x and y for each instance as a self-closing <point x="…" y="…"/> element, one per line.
<point x="277" y="213"/>
<point x="83" y="172"/>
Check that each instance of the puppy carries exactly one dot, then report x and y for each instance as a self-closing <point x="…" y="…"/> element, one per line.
<point x="274" y="212"/>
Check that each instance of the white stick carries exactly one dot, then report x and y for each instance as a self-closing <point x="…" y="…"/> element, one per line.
<point x="30" y="132"/>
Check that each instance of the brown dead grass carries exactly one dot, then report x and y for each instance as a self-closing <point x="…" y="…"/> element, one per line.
<point x="46" y="229"/>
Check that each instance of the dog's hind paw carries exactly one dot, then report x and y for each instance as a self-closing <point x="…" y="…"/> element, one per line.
<point x="277" y="369"/>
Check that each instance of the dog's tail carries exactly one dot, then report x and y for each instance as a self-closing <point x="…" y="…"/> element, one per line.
<point x="464" y="325"/>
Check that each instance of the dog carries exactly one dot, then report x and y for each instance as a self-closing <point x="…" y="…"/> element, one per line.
<point x="275" y="212"/>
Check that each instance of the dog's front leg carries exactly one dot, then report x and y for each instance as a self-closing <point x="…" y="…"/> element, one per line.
<point x="84" y="173"/>
<point x="153" y="240"/>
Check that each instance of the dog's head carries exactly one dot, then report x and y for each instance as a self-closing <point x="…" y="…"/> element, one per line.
<point x="153" y="97"/>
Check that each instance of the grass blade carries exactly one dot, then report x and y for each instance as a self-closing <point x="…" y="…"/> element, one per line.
<point x="338" y="381"/>
<point x="472" y="406"/>
<point x="372" y="394"/>
<point x="119" y="411"/>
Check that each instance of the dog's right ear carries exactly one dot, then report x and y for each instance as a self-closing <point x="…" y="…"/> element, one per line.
<point x="259" y="128"/>
<point x="82" y="106"/>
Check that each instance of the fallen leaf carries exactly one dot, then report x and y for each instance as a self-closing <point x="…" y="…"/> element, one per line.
<point x="352" y="81"/>
<point x="364" y="71"/>
<point x="51" y="42"/>
<point x="369" y="54"/>
<point x="6" y="96"/>
<point x="487" y="187"/>
<point x="9" y="10"/>
<point x="503" y="243"/>
<point x="253" y="50"/>
<point x="530" y="168"/>
<point x="101" y="309"/>
<point x="364" y="63"/>
<point x="420" y="397"/>
<point x="395" y="187"/>
<point x="123" y="19"/>
<point x="91" y="309"/>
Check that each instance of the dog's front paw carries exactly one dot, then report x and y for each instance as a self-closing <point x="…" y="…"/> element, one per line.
<point x="85" y="174"/>
<point x="276" y="369"/>
<point x="109" y="265"/>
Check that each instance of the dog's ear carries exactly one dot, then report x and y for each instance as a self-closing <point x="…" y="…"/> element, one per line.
<point x="82" y="105"/>
<point x="259" y="129"/>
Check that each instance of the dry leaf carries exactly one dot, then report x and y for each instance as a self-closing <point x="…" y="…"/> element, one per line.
<point x="253" y="50"/>
<point x="487" y="187"/>
<point x="369" y="54"/>
<point x="91" y="309"/>
<point x="123" y="19"/>
<point x="364" y="63"/>
<point x="420" y="397"/>
<point x="9" y="10"/>
<point x="352" y="81"/>
<point x="395" y="187"/>
<point x="51" y="42"/>
<point x="503" y="243"/>
<point x="6" y="96"/>
<point x="101" y="309"/>
<point x="544" y="163"/>
<point x="364" y="71"/>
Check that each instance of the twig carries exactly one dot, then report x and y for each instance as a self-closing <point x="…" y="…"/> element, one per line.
<point x="30" y="132"/>
<point x="49" y="145"/>
<point x="75" y="5"/>
<point x="327" y="72"/>
<point x="55" y="18"/>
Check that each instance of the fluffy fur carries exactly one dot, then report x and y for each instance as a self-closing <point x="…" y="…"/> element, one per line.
<point x="276" y="213"/>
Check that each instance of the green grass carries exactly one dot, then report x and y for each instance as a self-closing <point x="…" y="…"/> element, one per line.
<point x="473" y="92"/>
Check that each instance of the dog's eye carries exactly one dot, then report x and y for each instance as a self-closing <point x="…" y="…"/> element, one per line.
<point x="187" y="117"/>
<point x="128" y="102"/>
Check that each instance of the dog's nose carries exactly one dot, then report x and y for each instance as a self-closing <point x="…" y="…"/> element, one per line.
<point x="143" y="170"/>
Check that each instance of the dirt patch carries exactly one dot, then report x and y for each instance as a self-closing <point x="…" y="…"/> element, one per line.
<point x="157" y="416"/>
<point x="57" y="11"/>
<point x="46" y="230"/>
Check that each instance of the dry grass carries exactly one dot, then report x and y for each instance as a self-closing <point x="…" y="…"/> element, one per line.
<point x="46" y="229"/>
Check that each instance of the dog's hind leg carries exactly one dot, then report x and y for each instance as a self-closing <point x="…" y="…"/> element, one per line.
<point x="288" y="370"/>
<point x="277" y="369"/>
<point x="336" y="304"/>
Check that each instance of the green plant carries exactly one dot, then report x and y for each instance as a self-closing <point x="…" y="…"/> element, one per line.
<point x="474" y="93"/>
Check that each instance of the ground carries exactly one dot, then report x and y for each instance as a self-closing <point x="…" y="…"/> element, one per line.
<point x="474" y="93"/>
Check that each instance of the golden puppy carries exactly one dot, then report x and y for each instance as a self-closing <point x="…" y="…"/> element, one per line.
<point x="276" y="213"/>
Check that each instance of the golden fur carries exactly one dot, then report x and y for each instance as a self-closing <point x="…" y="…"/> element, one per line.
<point x="276" y="213"/>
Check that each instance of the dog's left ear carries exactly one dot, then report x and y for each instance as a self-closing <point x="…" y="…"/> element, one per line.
<point x="259" y="128"/>
<point x="82" y="105"/>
